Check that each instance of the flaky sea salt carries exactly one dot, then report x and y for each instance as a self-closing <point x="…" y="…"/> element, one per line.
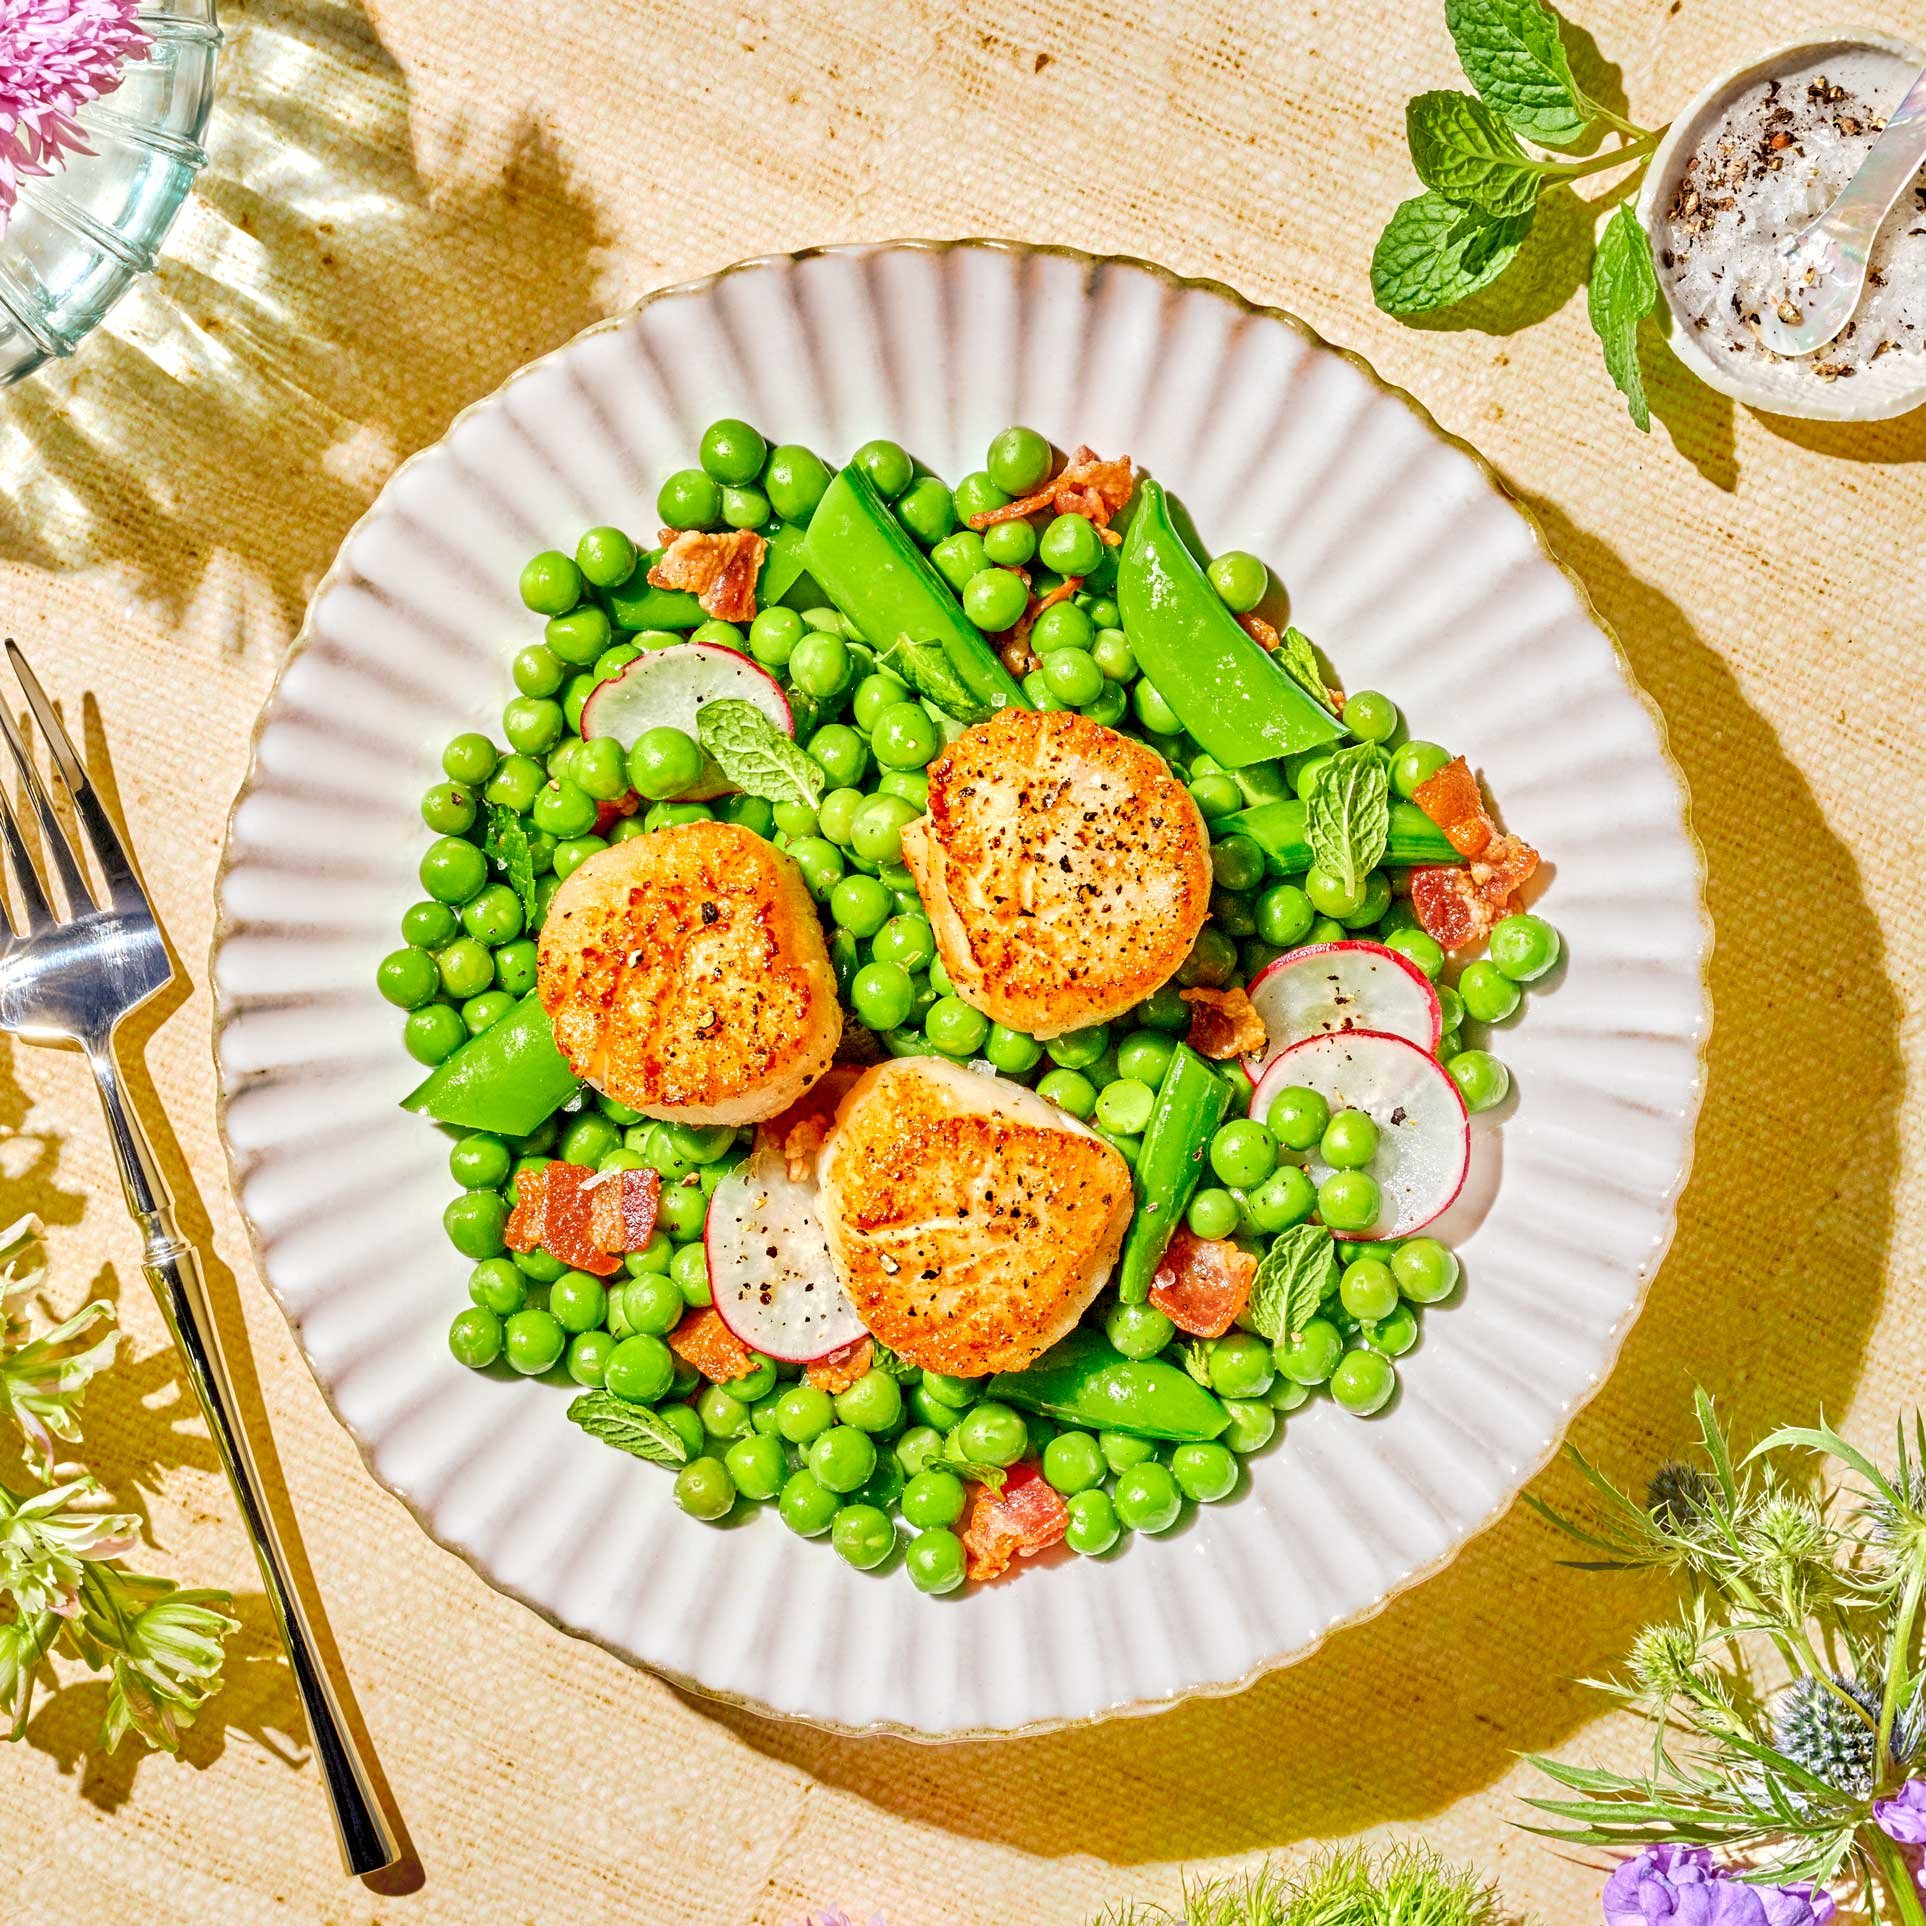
<point x="1775" y="159"/>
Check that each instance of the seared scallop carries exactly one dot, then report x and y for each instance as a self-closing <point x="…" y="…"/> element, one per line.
<point x="1066" y="871"/>
<point x="686" y="975"/>
<point x="970" y="1220"/>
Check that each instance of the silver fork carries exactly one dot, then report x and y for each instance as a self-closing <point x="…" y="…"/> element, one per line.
<point x="71" y="979"/>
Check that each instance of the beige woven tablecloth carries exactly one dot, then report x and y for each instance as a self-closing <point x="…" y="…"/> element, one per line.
<point x="407" y="201"/>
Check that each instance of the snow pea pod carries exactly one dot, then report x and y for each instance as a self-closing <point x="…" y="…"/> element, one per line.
<point x="510" y="1079"/>
<point x="1277" y="828"/>
<point x="1081" y="1380"/>
<point x="1191" y="1102"/>
<point x="1234" y="698"/>
<point x="867" y="565"/>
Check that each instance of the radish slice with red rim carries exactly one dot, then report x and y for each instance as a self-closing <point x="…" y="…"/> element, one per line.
<point x="669" y="686"/>
<point x="770" y="1272"/>
<point x="1424" y="1131"/>
<point x="1329" y="987"/>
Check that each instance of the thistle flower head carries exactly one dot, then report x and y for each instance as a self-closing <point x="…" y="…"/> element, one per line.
<point x="1679" y="1497"/>
<point x="56" y="56"/>
<point x="1664" y="1660"/>
<point x="1837" y="1742"/>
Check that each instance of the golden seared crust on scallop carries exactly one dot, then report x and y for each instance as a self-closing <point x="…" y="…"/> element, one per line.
<point x="1065" y="869"/>
<point x="686" y="976"/>
<point x="970" y="1220"/>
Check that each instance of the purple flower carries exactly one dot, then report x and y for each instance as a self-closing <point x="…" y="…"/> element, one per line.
<point x="1903" y="1817"/>
<point x="1680" y="1886"/>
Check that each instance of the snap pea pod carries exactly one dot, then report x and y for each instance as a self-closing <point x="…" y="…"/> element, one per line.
<point x="1081" y="1380"/>
<point x="1235" y="699"/>
<point x="509" y="1080"/>
<point x="1191" y="1102"/>
<point x="1263" y="782"/>
<point x="639" y="604"/>
<point x="868" y="566"/>
<point x="1277" y="828"/>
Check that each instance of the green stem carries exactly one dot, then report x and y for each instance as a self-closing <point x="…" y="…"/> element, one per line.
<point x="1897" y="1664"/>
<point x="1629" y="150"/>
<point x="1628" y="128"/>
<point x="1898" y="1877"/>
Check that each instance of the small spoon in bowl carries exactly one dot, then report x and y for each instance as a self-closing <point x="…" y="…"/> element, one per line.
<point x="1825" y="264"/>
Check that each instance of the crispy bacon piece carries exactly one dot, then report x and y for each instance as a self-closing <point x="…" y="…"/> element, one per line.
<point x="840" y="1369"/>
<point x="1086" y="485"/>
<point x="718" y="570"/>
<point x="1026" y="1517"/>
<point x="1223" y="1024"/>
<point x="803" y="1128"/>
<point x="1452" y="800"/>
<point x="703" y="1340"/>
<point x="608" y="814"/>
<point x="1261" y="632"/>
<point x="555" y="1208"/>
<point x="1203" y="1283"/>
<point x="622" y="1208"/>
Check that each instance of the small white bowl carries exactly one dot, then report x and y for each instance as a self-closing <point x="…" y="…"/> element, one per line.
<point x="1759" y="384"/>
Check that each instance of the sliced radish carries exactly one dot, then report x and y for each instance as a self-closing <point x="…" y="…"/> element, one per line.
<point x="669" y="686"/>
<point x="769" y="1268"/>
<point x="1424" y="1132"/>
<point x="1328" y="987"/>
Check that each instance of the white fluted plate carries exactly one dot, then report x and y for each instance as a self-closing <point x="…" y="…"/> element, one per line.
<point x="1417" y="575"/>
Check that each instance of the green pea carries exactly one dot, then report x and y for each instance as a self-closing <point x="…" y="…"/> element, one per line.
<point x="821" y="863"/>
<point x="652" y="1304"/>
<point x="1371" y="717"/>
<point x="1110" y="650"/>
<point x="932" y="1411"/>
<point x="873" y="1403"/>
<point x="571" y="855"/>
<point x="469" y="758"/>
<point x="795" y="480"/>
<point x="1147" y="1497"/>
<point x="704" y="1489"/>
<point x="1138" y="1330"/>
<point x="689" y="499"/>
<point x="1240" y="580"/>
<point x="640" y="1369"/>
<point x="682" y="1209"/>
<point x="1363" y="1382"/>
<point x="1298" y="1117"/>
<point x="1310" y="1356"/>
<point x="1009" y="544"/>
<point x="1072" y="677"/>
<point x="1121" y="1450"/>
<point x="842" y="1457"/>
<point x="1419" y="949"/>
<point x="449" y="809"/>
<point x="1092" y="1527"/>
<point x="723" y="1414"/>
<point x="1070" y="545"/>
<point x="538" y="1265"/>
<point x="933" y="1496"/>
<point x="1204" y="1472"/>
<point x="1375" y="901"/>
<point x="606" y="557"/>
<point x="1331" y="895"/>
<point x="408" y="978"/>
<point x="1011" y="1052"/>
<point x="926" y="509"/>
<point x="1018" y="461"/>
<point x="860" y="905"/>
<point x="1393" y="1335"/>
<point x="1241" y="1365"/>
<point x="1070" y="1090"/>
<point x="913" y="787"/>
<point x="992" y="1434"/>
<point x="1349" y="1200"/>
<point x="1524" y="948"/>
<point x="977" y="494"/>
<point x="731" y="451"/>
<point x="803" y="1413"/>
<point x="907" y="940"/>
<point x="806" y="1506"/>
<point x="1285" y="1394"/>
<point x="960" y="556"/>
<point x="1368" y="1290"/>
<point x="479" y="1162"/>
<point x="1243" y="1153"/>
<point x="1212" y="960"/>
<point x="475" y="1337"/>
<point x="496" y="1285"/>
<point x="1490" y="996"/>
<point x="1350" y="1140"/>
<point x="904" y="736"/>
<point x="1124" y="1107"/>
<point x="956" y="1028"/>
<point x="453" y="871"/>
<point x="1144" y="1055"/>
<point x="494" y="916"/>
<point x="995" y="598"/>
<point x="1414" y="765"/>
<point x="1426" y="1270"/>
<point x="756" y="1466"/>
<point x="533" y="1342"/>
<point x="881" y="994"/>
<point x="689" y="1270"/>
<point x="664" y="762"/>
<point x="1217" y="797"/>
<point x="1237" y="863"/>
<point x="578" y="1301"/>
<point x="1212" y="1213"/>
<point x="514" y="783"/>
<point x="1253" y="1421"/>
<point x="935" y="1561"/>
<point x="551" y="584"/>
<point x="1451" y="1009"/>
<point x="887" y="465"/>
<point x="1482" y="1080"/>
<point x="1065" y="626"/>
<point x="920" y="1448"/>
<point x="578" y="638"/>
<point x="819" y="665"/>
<point x="863" y="1536"/>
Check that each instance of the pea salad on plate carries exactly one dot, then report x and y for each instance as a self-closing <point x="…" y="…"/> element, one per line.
<point x="949" y="1023"/>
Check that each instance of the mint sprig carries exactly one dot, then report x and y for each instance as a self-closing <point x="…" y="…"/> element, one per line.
<point x="1623" y="291"/>
<point x="506" y="846"/>
<point x="755" y="755"/>
<point x="1294" y="650"/>
<point x="1290" y="1281"/>
<point x="633" y="1428"/>
<point x="1347" y="819"/>
<point x="1484" y="184"/>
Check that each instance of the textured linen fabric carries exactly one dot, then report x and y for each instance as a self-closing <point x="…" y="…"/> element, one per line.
<point x="407" y="201"/>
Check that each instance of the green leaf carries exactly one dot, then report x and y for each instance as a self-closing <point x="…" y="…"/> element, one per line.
<point x="1347" y="820"/>
<point x="1196" y="1356"/>
<point x="506" y="846"/>
<point x="925" y="667"/>
<point x="1512" y="53"/>
<point x="1461" y="149"/>
<point x="1290" y="1281"/>
<point x="755" y="755"/>
<point x="633" y="1428"/>
<point x="1624" y="290"/>
<point x="1435" y="252"/>
<point x="1294" y="650"/>
<point x="883" y="1359"/>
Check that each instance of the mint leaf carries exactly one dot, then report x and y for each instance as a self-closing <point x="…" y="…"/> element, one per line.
<point x="1290" y="1281"/>
<point x="925" y="667"/>
<point x="1624" y="290"/>
<point x="633" y="1428"/>
<point x="883" y="1359"/>
<point x="1435" y="252"/>
<point x="1464" y="151"/>
<point x="506" y="846"/>
<point x="1295" y="652"/>
<point x="954" y="1459"/>
<point x="1512" y="53"/>
<point x="1347" y="818"/>
<point x="755" y="755"/>
<point x="1196" y="1356"/>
